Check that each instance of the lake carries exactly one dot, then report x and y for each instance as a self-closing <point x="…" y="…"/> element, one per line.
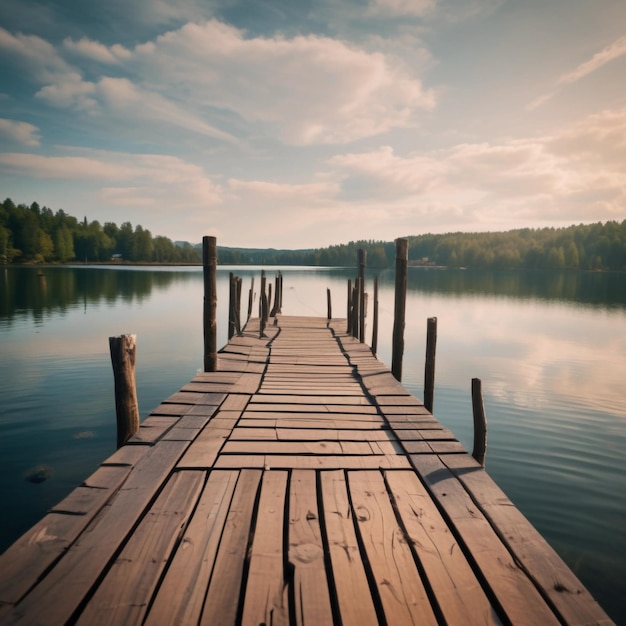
<point x="549" y="347"/>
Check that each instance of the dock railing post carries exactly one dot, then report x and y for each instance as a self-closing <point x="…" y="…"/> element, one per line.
<point x="375" y="318"/>
<point x="349" y="308"/>
<point x="209" y="265"/>
<point x="232" y="304"/>
<point x="399" y="314"/>
<point x="123" y="355"/>
<point x="362" y="255"/>
<point x="480" y="422"/>
<point x="329" y="305"/>
<point x="355" y="308"/>
<point x="429" y="368"/>
<point x="250" y="300"/>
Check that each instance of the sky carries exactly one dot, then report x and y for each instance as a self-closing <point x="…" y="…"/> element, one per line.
<point x="301" y="124"/>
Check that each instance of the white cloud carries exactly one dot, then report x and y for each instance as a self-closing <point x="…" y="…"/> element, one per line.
<point x="21" y="132"/>
<point x="611" y="52"/>
<point x="96" y="51"/>
<point x="403" y="7"/>
<point x="307" y="90"/>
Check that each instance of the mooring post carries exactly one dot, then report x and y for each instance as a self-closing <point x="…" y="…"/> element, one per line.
<point x="399" y="314"/>
<point x="349" y="311"/>
<point x="232" y="299"/>
<point x="250" y="299"/>
<point x="209" y="265"/>
<point x="262" y="306"/>
<point x="480" y="422"/>
<point x="280" y="299"/>
<point x="329" y="305"/>
<point x="375" y="318"/>
<point x="355" y="308"/>
<point x="123" y="354"/>
<point x="238" y="308"/>
<point x="429" y="368"/>
<point x="362" y="255"/>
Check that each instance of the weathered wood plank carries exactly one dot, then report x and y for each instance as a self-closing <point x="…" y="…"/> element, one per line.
<point x="458" y="592"/>
<point x="518" y="597"/>
<point x="309" y="583"/>
<point x="182" y="592"/>
<point x="399" y="584"/>
<point x="545" y="567"/>
<point x="59" y="594"/>
<point x="349" y="575"/>
<point x="222" y="599"/>
<point x="266" y="600"/>
<point x="24" y="562"/>
<point x="124" y="594"/>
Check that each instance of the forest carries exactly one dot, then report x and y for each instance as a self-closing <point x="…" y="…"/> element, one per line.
<point x="35" y="234"/>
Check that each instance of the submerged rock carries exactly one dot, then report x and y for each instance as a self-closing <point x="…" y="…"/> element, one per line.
<point x="38" y="474"/>
<point x="84" y="434"/>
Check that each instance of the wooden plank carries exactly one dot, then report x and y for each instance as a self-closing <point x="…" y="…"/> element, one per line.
<point x="124" y="594"/>
<point x="459" y="594"/>
<point x="297" y="447"/>
<point x="59" y="594"/>
<point x="266" y="600"/>
<point x="572" y="600"/>
<point x="182" y="592"/>
<point x="400" y="587"/>
<point x="207" y="445"/>
<point x="192" y="397"/>
<point x="354" y="597"/>
<point x="355" y="401"/>
<point x="309" y="584"/>
<point x="25" y="561"/>
<point x="222" y="599"/>
<point x="518" y="597"/>
<point x="152" y="429"/>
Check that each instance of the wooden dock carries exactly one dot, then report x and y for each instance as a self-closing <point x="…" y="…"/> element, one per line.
<point x="298" y="484"/>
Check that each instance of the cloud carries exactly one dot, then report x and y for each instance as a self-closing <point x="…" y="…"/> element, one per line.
<point x="20" y="132"/>
<point x="611" y="52"/>
<point x="576" y="174"/>
<point x="306" y="90"/>
<point x="606" y="55"/>
<point x="96" y="51"/>
<point x="403" y="7"/>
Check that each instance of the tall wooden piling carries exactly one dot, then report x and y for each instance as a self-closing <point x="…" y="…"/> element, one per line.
<point x="329" y="305"/>
<point x="399" y="315"/>
<point x="362" y="256"/>
<point x="429" y="368"/>
<point x="480" y="422"/>
<point x="232" y="305"/>
<point x="123" y="355"/>
<point x="250" y="299"/>
<point x="355" y="308"/>
<point x="349" y="308"/>
<point x="263" y="311"/>
<point x="375" y="318"/>
<point x="209" y="265"/>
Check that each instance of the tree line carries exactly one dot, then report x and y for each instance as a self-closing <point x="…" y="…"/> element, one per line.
<point x="34" y="234"/>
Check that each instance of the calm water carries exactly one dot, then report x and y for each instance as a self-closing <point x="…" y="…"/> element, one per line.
<point x="550" y="349"/>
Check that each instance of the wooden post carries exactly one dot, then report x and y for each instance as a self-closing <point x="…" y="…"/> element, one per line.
<point x="269" y="298"/>
<point x="209" y="264"/>
<point x="375" y="318"/>
<point x="402" y="259"/>
<point x="250" y="299"/>
<point x="429" y="368"/>
<point x="238" y="307"/>
<point x="123" y="353"/>
<point x="329" y="305"/>
<point x="480" y="422"/>
<point x="232" y="298"/>
<point x="349" y="312"/>
<point x="362" y="255"/>
<point x="355" y="308"/>
<point x="262" y="306"/>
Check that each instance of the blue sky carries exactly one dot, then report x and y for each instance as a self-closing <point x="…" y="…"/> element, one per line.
<point x="286" y="124"/>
